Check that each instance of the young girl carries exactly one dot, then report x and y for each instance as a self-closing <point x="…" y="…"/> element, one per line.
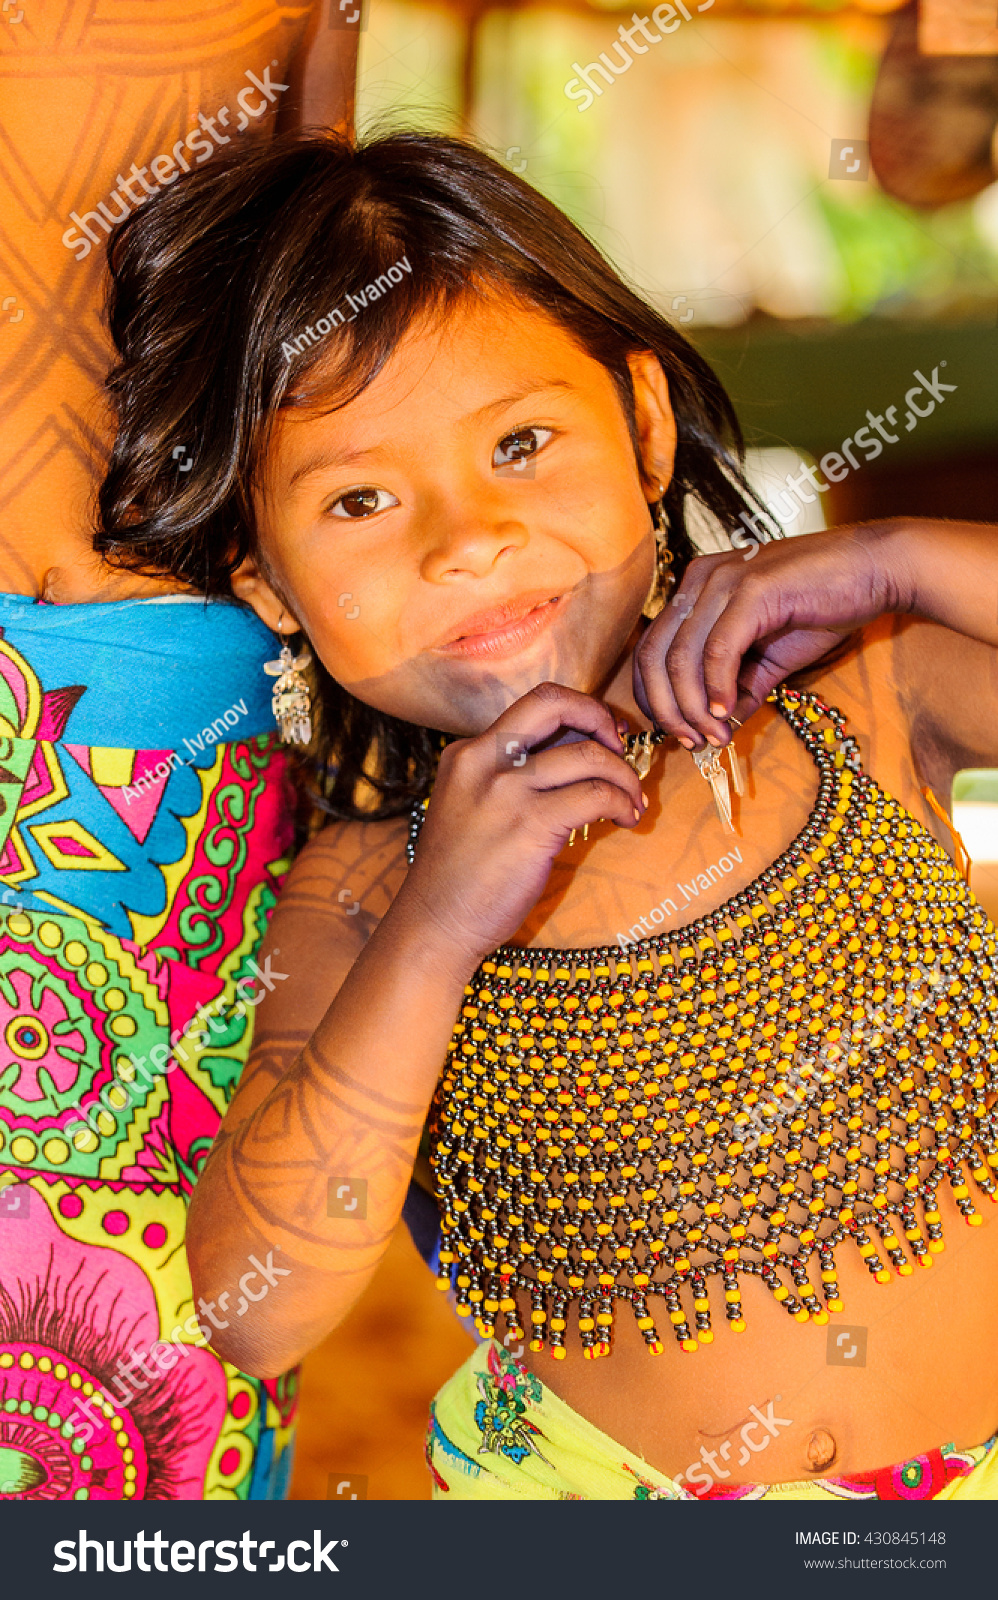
<point x="438" y="435"/>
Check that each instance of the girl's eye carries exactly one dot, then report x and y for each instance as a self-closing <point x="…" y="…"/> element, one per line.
<point x="363" y="502"/>
<point x="520" y="446"/>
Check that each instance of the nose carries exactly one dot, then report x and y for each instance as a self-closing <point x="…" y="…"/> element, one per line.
<point x="468" y="537"/>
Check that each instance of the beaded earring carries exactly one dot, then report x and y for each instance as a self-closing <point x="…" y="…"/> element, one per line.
<point x="292" y="700"/>
<point x="664" y="578"/>
<point x="639" y="747"/>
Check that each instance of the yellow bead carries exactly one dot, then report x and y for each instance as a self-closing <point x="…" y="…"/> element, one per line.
<point x="738" y="1325"/>
<point x="690" y="1345"/>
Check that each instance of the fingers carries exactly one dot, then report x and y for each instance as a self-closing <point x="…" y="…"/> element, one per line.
<point x="548" y="708"/>
<point x="577" y="804"/>
<point x="573" y="764"/>
<point x="671" y="680"/>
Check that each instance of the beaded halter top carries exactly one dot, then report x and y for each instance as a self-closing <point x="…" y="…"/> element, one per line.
<point x="796" y="1071"/>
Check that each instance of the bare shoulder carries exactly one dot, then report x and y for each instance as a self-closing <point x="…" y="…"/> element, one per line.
<point x="907" y="683"/>
<point x="895" y="681"/>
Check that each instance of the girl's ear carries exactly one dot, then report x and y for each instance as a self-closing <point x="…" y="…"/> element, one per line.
<point x="656" y="424"/>
<point x="250" y="586"/>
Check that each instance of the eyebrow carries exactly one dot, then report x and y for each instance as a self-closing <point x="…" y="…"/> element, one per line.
<point x="321" y="460"/>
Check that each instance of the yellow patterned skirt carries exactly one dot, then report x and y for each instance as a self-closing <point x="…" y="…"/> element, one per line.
<point x="496" y="1432"/>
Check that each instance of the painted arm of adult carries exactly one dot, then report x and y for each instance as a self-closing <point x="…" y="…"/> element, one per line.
<point x="741" y="627"/>
<point x="322" y="76"/>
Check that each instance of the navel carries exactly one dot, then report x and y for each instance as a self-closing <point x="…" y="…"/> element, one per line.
<point x="820" y="1450"/>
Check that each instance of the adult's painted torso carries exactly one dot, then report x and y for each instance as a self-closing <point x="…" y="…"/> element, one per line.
<point x="145" y="824"/>
<point x="90" y="94"/>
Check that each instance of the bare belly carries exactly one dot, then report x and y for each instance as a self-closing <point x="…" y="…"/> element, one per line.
<point x="923" y="1373"/>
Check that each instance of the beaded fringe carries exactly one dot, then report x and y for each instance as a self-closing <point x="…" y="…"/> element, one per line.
<point x="524" y="1099"/>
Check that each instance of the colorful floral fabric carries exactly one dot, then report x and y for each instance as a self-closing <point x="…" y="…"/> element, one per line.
<point x="496" y="1432"/>
<point x="137" y="874"/>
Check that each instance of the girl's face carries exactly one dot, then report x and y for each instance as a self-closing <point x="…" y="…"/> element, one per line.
<point x="473" y="524"/>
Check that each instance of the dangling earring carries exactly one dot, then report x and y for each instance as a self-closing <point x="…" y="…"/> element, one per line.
<point x="664" y="579"/>
<point x="292" y="700"/>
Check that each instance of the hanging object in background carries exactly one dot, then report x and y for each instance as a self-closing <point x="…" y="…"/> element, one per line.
<point x="933" y="116"/>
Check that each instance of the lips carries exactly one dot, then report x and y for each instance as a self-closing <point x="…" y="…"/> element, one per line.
<point x="502" y="630"/>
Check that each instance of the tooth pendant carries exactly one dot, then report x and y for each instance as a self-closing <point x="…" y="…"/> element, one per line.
<point x="708" y="762"/>
<point x="737" y="775"/>
<point x="641" y="755"/>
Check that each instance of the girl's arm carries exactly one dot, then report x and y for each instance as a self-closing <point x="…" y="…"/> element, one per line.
<point x="740" y="626"/>
<point x="948" y="572"/>
<point x="948" y="656"/>
<point x="306" y="1180"/>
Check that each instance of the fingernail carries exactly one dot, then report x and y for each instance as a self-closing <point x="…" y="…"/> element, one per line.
<point x="687" y="744"/>
<point x="637" y="814"/>
<point x="711" y="740"/>
<point x="644" y="800"/>
<point x="717" y="710"/>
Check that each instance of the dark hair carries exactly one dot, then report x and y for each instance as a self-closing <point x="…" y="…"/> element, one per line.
<point x="215" y="281"/>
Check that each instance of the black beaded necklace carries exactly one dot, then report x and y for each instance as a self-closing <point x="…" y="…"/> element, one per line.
<point x="711" y="1103"/>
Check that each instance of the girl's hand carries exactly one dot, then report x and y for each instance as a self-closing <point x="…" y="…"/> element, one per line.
<point x="738" y="627"/>
<point x="501" y="811"/>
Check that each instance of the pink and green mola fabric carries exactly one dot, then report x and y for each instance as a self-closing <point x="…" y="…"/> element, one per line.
<point x="145" y="825"/>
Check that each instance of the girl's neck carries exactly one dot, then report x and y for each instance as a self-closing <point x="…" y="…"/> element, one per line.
<point x="618" y="691"/>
